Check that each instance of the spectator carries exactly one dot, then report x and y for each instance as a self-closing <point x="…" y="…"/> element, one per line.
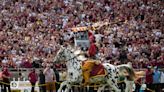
<point x="30" y="29"/>
<point x="57" y="78"/>
<point x="1" y="80"/>
<point x="149" y="77"/>
<point x="33" y="77"/>
<point x="162" y="77"/>
<point x="50" y="78"/>
<point x="156" y="79"/>
<point x="138" y="85"/>
<point x="27" y="28"/>
<point x="21" y="77"/>
<point x="162" y="80"/>
<point x="42" y="81"/>
<point x="63" y="75"/>
<point x="156" y="75"/>
<point x="6" y="79"/>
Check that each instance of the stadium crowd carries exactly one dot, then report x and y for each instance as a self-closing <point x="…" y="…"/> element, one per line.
<point x="32" y="30"/>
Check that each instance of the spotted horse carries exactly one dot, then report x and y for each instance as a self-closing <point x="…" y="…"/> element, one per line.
<point x="75" y="72"/>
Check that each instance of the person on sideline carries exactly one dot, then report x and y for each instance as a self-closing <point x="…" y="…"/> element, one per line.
<point x="42" y="81"/>
<point x="57" y="78"/>
<point x="156" y="79"/>
<point x="6" y="79"/>
<point x="149" y="77"/>
<point x="1" y="80"/>
<point x="50" y="78"/>
<point x="33" y="78"/>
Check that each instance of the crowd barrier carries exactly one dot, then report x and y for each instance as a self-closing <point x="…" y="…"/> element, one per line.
<point x="25" y="86"/>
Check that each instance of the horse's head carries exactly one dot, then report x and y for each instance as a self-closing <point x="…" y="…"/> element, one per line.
<point x="61" y="55"/>
<point x="127" y="71"/>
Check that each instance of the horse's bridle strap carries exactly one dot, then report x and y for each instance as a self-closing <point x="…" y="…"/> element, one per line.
<point x="73" y="57"/>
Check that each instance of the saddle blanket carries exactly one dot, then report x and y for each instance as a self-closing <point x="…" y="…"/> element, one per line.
<point x="98" y="70"/>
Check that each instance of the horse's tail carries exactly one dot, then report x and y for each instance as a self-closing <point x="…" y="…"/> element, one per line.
<point x="132" y="74"/>
<point x="129" y="69"/>
<point x="139" y="74"/>
<point x="135" y="75"/>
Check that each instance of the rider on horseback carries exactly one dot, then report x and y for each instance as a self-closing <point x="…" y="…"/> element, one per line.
<point x="90" y="63"/>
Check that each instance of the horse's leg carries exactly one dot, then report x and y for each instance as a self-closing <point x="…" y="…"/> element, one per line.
<point x="101" y="89"/>
<point x="113" y="85"/>
<point x="68" y="88"/>
<point x="129" y="85"/>
<point x="62" y="85"/>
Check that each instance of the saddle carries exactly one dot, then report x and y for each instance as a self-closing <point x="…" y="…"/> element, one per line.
<point x="94" y="67"/>
<point x="98" y="70"/>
